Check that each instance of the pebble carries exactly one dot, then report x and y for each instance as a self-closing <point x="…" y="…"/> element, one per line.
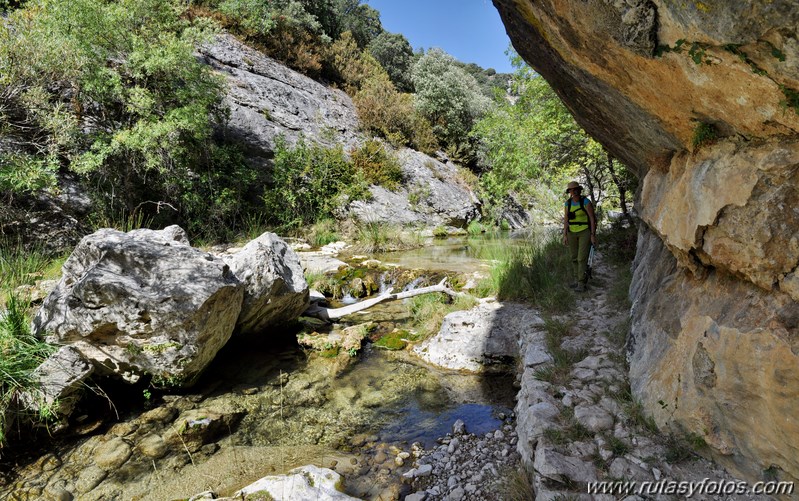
<point x="424" y="471"/>
<point x="456" y="494"/>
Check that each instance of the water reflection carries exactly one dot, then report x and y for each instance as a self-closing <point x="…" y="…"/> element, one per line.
<point x="464" y="254"/>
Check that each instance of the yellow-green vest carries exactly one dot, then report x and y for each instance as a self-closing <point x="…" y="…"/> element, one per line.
<point x="580" y="220"/>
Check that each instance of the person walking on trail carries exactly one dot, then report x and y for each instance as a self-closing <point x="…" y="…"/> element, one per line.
<point x="579" y="232"/>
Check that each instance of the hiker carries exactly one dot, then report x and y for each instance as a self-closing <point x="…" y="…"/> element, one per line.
<point x="579" y="232"/>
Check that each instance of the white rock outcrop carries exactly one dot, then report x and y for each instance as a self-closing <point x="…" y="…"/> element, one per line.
<point x="476" y="339"/>
<point x="142" y="302"/>
<point x="275" y="290"/>
<point x="307" y="483"/>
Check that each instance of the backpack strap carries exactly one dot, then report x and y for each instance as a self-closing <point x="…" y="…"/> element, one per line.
<point x="582" y="208"/>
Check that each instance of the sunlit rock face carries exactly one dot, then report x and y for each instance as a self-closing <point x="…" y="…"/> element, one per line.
<point x="715" y="316"/>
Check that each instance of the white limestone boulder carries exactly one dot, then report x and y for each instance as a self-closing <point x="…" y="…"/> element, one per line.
<point x="307" y="483"/>
<point x="142" y="302"/>
<point x="479" y="339"/>
<point x="275" y="288"/>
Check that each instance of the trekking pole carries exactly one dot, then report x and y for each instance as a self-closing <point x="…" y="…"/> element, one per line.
<point x="588" y="271"/>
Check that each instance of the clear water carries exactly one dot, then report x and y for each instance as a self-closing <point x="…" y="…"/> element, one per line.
<point x="302" y="409"/>
<point x="465" y="254"/>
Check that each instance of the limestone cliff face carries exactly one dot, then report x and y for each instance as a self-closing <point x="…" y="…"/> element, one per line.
<point x="715" y="318"/>
<point x="268" y="100"/>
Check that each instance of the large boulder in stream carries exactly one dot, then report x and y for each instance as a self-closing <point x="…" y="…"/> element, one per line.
<point x="143" y="302"/>
<point x="275" y="287"/>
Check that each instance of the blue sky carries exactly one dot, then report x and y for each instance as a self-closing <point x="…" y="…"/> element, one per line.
<point x="470" y="30"/>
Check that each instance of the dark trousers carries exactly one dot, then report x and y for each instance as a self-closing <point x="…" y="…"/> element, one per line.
<point x="579" y="246"/>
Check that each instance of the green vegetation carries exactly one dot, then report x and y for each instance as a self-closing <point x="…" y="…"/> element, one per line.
<point x="682" y="447"/>
<point x="20" y="354"/>
<point x="323" y="232"/>
<point x="394" y="340"/>
<point x="428" y="311"/>
<point x="559" y="371"/>
<point x="791" y="98"/>
<point x="704" y="134"/>
<point x="377" y="165"/>
<point x="532" y="146"/>
<point x="373" y="236"/>
<point x="307" y="184"/>
<point x="476" y="228"/>
<point x="450" y="99"/>
<point x="636" y="415"/>
<point x="395" y="55"/>
<point x="517" y="485"/>
<point x="535" y="273"/>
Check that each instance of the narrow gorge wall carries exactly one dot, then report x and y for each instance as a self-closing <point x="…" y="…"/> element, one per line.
<point x="715" y="335"/>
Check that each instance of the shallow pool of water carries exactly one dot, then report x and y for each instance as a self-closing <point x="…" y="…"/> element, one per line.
<point x="465" y="254"/>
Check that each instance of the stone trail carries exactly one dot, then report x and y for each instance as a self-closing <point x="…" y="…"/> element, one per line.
<point x="575" y="422"/>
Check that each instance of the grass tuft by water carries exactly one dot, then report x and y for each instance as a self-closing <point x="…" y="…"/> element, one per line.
<point x="534" y="273"/>
<point x="20" y="354"/>
<point x="427" y="311"/>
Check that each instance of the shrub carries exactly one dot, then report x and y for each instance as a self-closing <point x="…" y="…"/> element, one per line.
<point x="350" y="65"/>
<point x="102" y="88"/>
<point x="284" y="29"/>
<point x="704" y="134"/>
<point x="395" y="54"/>
<point x="114" y="92"/>
<point x="387" y="113"/>
<point x="377" y="165"/>
<point x="449" y="98"/>
<point x="308" y="183"/>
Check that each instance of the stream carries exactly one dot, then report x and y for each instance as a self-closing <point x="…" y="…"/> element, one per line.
<point x="265" y="406"/>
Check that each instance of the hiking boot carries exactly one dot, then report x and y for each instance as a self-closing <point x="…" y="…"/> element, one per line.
<point x="580" y="287"/>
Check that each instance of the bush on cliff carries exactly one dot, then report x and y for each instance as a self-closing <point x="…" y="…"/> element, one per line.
<point x="308" y="183"/>
<point x="377" y="165"/>
<point x="114" y="92"/>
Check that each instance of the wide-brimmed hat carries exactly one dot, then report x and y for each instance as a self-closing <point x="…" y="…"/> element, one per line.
<point x="573" y="184"/>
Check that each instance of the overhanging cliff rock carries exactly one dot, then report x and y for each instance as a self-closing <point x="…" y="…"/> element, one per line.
<point x="700" y="100"/>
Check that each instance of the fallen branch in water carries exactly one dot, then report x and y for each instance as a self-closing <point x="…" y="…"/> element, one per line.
<point x="337" y="313"/>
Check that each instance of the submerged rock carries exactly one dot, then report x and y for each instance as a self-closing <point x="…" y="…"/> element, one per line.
<point x="142" y="302"/>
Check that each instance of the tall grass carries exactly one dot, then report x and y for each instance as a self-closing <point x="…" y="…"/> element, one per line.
<point x="21" y="266"/>
<point x="323" y="232"/>
<point x="427" y="311"/>
<point x="20" y="354"/>
<point x="122" y="220"/>
<point x="535" y="273"/>
<point x="374" y="236"/>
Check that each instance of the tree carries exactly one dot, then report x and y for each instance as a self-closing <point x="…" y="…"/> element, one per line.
<point x="532" y="140"/>
<point x="113" y="91"/>
<point x="360" y="19"/>
<point x="395" y="55"/>
<point x="449" y="98"/>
